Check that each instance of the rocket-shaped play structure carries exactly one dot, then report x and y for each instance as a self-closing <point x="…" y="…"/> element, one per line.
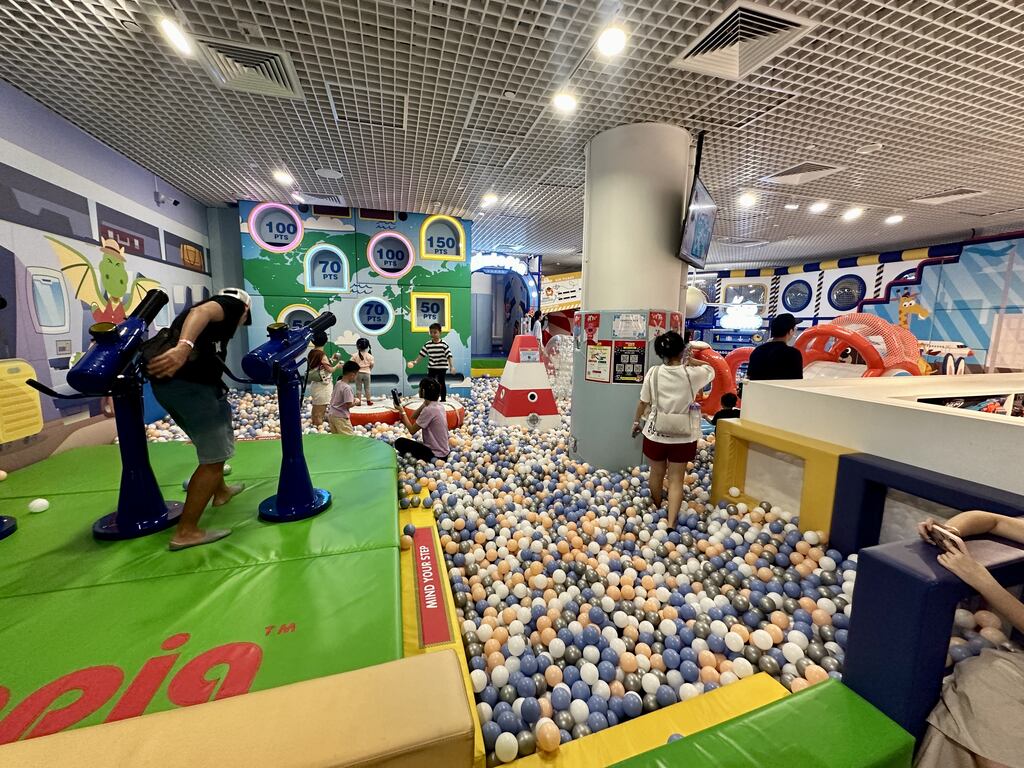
<point x="524" y="396"/>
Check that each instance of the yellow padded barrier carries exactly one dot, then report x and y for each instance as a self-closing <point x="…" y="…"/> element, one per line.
<point x="652" y="730"/>
<point x="821" y="463"/>
<point x="424" y="518"/>
<point x="21" y="411"/>
<point x="410" y="713"/>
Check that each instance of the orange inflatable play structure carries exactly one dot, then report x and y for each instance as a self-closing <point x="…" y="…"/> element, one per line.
<point x="878" y="347"/>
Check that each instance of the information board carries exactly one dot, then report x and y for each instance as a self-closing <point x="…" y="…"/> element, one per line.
<point x="629" y="325"/>
<point x="599" y="362"/>
<point x="629" y="362"/>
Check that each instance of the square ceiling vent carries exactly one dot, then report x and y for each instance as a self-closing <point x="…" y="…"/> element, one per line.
<point x="802" y="173"/>
<point x="249" y="68"/>
<point x="741" y="39"/>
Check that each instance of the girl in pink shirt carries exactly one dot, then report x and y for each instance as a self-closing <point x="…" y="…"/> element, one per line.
<point x="365" y="361"/>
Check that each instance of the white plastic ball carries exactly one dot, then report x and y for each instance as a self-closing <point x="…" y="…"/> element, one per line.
<point x="38" y="505"/>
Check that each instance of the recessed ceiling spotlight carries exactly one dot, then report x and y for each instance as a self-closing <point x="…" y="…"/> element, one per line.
<point x="896" y="218"/>
<point x="564" y="102"/>
<point x="870" y="149"/>
<point x="746" y="200"/>
<point x="818" y="207"/>
<point x="508" y="93"/>
<point x="298" y="198"/>
<point x="283" y="178"/>
<point x="852" y="214"/>
<point x="792" y="206"/>
<point x="176" y="36"/>
<point x="612" y="41"/>
<point x="328" y="173"/>
<point x="131" y="26"/>
<point x="488" y="200"/>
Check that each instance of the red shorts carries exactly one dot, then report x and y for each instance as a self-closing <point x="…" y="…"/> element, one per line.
<point x="675" y="453"/>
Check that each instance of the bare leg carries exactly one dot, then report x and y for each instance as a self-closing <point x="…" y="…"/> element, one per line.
<point x="676" y="474"/>
<point x="657" y="481"/>
<point x="206" y="481"/>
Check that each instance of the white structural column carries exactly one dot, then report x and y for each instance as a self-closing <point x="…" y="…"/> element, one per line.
<point x="636" y="188"/>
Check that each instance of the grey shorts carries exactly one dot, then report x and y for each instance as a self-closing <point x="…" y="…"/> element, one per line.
<point x="203" y="414"/>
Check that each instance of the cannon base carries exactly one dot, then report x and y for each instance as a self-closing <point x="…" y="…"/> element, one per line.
<point x="272" y="513"/>
<point x="107" y="528"/>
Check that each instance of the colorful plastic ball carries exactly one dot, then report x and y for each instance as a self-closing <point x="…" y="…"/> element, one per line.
<point x="38" y="505"/>
<point x="547" y="736"/>
<point x="406" y="542"/>
<point x="506" y="747"/>
<point x="3" y="475"/>
<point x="409" y="529"/>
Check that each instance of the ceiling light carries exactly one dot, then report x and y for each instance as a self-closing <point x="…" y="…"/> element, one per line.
<point x="283" y="178"/>
<point x="896" y="218"/>
<point x="746" y="200"/>
<point x="612" y="41"/>
<point x="792" y="206"/>
<point x="298" y="198"/>
<point x="564" y="102"/>
<point x="131" y="26"/>
<point x="818" y="207"/>
<point x="488" y="200"/>
<point x="176" y="36"/>
<point x="328" y="173"/>
<point x="870" y="149"/>
<point x="852" y="214"/>
<point x="508" y="93"/>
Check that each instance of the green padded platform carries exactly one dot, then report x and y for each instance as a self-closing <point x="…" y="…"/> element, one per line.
<point x="824" y="726"/>
<point x="289" y="602"/>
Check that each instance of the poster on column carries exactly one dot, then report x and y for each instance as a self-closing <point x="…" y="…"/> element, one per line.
<point x="629" y="362"/>
<point x="657" y="324"/>
<point x="599" y="362"/>
<point x="675" y="322"/>
<point x="628" y="325"/>
<point x="591" y="324"/>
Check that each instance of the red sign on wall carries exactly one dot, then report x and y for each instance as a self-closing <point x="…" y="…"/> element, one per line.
<point x="676" y="322"/>
<point x="435" y="627"/>
<point x="591" y="322"/>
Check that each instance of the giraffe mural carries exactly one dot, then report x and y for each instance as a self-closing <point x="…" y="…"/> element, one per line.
<point x="908" y="306"/>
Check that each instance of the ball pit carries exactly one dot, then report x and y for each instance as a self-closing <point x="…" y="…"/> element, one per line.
<point x="579" y="609"/>
<point x="975" y="631"/>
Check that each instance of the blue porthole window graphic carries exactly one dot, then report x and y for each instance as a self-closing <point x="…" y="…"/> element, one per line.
<point x="797" y="296"/>
<point x="846" y="293"/>
<point x="374" y="316"/>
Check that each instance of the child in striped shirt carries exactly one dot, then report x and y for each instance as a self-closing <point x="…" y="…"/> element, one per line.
<point x="439" y="359"/>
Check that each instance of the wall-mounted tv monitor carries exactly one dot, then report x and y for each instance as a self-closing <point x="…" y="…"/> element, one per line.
<point x="698" y="226"/>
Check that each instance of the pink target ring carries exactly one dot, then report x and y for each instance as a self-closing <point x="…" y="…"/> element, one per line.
<point x="254" y="233"/>
<point x="385" y="235"/>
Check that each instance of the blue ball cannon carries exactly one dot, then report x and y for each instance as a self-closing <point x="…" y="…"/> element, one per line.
<point x="112" y="367"/>
<point x="8" y="525"/>
<point x="277" y="362"/>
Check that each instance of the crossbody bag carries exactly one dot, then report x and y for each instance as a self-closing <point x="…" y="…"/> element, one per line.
<point x="685" y="425"/>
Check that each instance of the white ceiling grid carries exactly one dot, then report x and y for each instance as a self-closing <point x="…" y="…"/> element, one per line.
<point x="423" y="123"/>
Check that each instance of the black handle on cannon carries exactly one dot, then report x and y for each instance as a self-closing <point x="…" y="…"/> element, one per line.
<point x="39" y="386"/>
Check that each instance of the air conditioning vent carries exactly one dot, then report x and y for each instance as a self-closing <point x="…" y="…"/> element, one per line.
<point x="742" y="242"/>
<point x="802" y="174"/>
<point x="743" y="38"/>
<point x="961" y="193"/>
<point x="324" y="198"/>
<point x="1004" y="212"/>
<point x="250" y="68"/>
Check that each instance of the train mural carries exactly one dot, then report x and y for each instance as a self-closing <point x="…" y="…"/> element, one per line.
<point x="66" y="262"/>
<point x="964" y="302"/>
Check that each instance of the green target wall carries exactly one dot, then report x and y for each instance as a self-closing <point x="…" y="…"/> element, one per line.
<point x="386" y="276"/>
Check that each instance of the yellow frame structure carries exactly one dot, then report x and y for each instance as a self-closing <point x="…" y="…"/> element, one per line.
<point x="415" y="296"/>
<point x="821" y="464"/>
<point x="425" y="254"/>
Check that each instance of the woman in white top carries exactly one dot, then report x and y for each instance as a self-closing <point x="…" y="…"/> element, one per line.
<point x="671" y="433"/>
<point x="537" y="327"/>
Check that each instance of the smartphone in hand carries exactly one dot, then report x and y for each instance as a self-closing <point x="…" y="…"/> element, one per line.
<point x="945" y="539"/>
<point x="396" y="399"/>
